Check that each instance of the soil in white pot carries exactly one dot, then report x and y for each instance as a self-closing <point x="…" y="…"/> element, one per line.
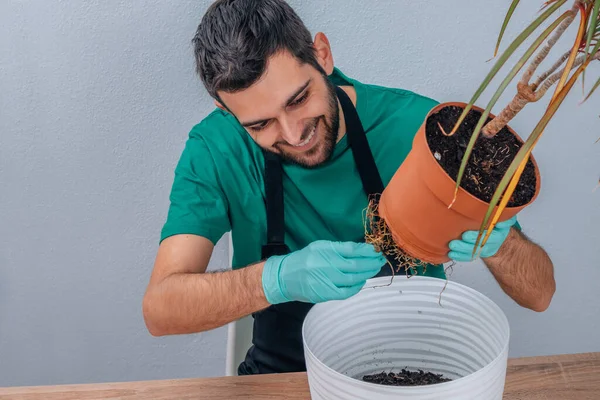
<point x="406" y="378"/>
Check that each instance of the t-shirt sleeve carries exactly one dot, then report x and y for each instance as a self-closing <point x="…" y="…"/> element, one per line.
<point x="198" y="204"/>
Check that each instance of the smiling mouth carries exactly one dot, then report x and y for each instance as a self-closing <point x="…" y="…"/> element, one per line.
<point x="308" y="139"/>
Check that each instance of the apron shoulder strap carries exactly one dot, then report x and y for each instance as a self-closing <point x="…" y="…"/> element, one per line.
<point x="274" y="205"/>
<point x="357" y="139"/>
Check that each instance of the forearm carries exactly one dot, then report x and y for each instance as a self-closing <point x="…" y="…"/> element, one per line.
<point x="524" y="271"/>
<point x="194" y="302"/>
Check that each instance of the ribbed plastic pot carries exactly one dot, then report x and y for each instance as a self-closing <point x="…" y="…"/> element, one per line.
<point x="403" y="325"/>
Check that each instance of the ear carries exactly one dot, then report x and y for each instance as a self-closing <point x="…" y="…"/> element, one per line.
<point x="221" y="106"/>
<point x="324" y="56"/>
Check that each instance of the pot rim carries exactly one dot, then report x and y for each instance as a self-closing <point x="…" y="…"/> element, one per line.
<point x="463" y="105"/>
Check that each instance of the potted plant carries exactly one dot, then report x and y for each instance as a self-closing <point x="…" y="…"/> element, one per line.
<point x="468" y="169"/>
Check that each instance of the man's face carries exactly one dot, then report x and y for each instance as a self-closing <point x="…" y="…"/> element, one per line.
<point x="292" y="110"/>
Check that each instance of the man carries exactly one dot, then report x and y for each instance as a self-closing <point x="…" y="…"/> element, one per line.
<point x="286" y="162"/>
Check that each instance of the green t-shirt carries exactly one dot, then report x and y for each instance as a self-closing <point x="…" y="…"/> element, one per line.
<point x="219" y="180"/>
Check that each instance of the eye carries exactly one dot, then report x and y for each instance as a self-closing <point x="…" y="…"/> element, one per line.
<point x="260" y="126"/>
<point x="300" y="99"/>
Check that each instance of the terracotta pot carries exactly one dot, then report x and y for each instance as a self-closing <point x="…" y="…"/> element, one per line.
<point x="415" y="203"/>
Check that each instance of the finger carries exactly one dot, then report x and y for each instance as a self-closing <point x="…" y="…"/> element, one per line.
<point x="349" y="291"/>
<point x="356" y="265"/>
<point x="506" y="224"/>
<point x="354" y="250"/>
<point x="461" y="246"/>
<point x="341" y="279"/>
<point x="471" y="238"/>
<point x="460" y="257"/>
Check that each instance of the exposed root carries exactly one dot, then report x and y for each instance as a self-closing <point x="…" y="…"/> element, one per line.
<point x="392" y="278"/>
<point x="449" y="267"/>
<point x="378" y="234"/>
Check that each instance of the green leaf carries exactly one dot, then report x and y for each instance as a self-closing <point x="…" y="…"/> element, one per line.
<point x="573" y="54"/>
<point x="515" y="70"/>
<point x="527" y="147"/>
<point x="505" y="56"/>
<point x="592" y="90"/>
<point x="507" y="18"/>
<point x="514" y="181"/>
<point x="593" y="25"/>
<point x="595" y="49"/>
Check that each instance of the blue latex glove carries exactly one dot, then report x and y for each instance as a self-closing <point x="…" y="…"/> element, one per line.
<point x="461" y="250"/>
<point x="322" y="271"/>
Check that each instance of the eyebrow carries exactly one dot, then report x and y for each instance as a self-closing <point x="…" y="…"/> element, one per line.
<point x="287" y="103"/>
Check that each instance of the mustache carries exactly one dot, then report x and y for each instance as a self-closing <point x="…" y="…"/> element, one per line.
<point x="305" y="132"/>
<point x="309" y="127"/>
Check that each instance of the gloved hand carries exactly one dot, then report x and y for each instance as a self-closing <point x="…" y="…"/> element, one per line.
<point x="461" y="250"/>
<point x="322" y="271"/>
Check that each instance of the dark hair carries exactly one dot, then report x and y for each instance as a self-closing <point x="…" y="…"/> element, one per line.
<point x="236" y="37"/>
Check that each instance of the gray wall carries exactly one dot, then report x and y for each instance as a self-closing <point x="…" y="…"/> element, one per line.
<point x="96" y="100"/>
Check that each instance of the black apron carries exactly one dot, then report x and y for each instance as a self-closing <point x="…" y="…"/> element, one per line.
<point x="277" y="332"/>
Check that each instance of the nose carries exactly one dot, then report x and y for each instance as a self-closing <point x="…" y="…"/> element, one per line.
<point x="291" y="130"/>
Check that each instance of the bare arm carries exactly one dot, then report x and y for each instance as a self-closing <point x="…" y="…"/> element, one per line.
<point x="182" y="298"/>
<point x="524" y="271"/>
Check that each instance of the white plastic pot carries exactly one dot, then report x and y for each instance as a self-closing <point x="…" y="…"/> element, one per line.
<point x="402" y="325"/>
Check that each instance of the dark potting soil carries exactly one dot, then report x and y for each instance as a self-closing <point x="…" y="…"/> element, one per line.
<point x="489" y="159"/>
<point x="406" y="378"/>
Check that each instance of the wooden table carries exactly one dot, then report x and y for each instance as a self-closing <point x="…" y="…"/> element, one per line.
<point x="565" y="377"/>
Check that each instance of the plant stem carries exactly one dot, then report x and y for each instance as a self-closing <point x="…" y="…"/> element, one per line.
<point x="524" y="96"/>
<point x="550" y="44"/>
<point x="556" y="65"/>
<point x="526" y="91"/>
<point x="555" y="77"/>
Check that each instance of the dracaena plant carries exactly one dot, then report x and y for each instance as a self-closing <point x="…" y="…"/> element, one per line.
<point x="563" y="73"/>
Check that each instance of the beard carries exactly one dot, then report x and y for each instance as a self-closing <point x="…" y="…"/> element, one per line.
<point x="330" y="123"/>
